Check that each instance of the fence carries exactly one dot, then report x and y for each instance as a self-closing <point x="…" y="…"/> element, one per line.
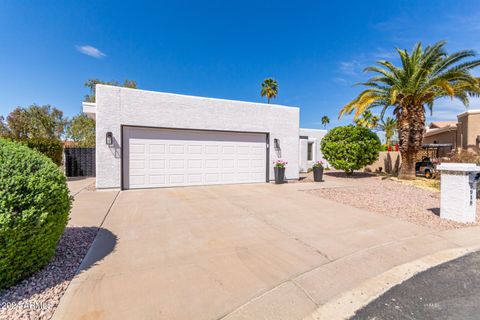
<point x="79" y="162"/>
<point x="388" y="161"/>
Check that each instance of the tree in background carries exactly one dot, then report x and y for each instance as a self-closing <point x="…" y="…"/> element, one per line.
<point x="325" y="121"/>
<point x="81" y="129"/>
<point x="34" y="122"/>
<point x="91" y="83"/>
<point x="367" y="120"/>
<point x="38" y="127"/>
<point x="350" y="147"/>
<point x="4" y="131"/>
<point x="269" y="89"/>
<point x="423" y="77"/>
<point x="389" y="127"/>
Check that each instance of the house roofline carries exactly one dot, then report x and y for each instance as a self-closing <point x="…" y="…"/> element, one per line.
<point x="200" y="97"/>
<point x="319" y="130"/>
<point x="472" y="111"/>
<point x="90" y="109"/>
<point x="433" y="132"/>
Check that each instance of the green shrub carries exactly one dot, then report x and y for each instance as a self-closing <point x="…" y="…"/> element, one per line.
<point x="34" y="207"/>
<point x="50" y="147"/>
<point x="350" y="148"/>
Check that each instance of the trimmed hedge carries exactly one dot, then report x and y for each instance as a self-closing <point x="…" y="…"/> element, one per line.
<point x="50" y="147"/>
<point x="350" y="147"/>
<point x="34" y="207"/>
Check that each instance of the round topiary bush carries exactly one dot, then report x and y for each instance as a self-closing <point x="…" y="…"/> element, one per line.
<point x="34" y="207"/>
<point x="51" y="147"/>
<point x="350" y="147"/>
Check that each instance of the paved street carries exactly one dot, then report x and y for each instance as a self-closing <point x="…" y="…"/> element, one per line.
<point x="448" y="291"/>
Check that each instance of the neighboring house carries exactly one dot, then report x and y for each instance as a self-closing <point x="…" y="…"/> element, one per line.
<point x="149" y="139"/>
<point x="441" y="132"/>
<point x="468" y="132"/>
<point x="461" y="134"/>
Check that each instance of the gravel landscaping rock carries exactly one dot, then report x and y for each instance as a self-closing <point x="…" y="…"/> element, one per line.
<point x="392" y="198"/>
<point x="38" y="296"/>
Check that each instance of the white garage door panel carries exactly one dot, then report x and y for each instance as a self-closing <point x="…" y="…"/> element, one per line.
<point x="164" y="158"/>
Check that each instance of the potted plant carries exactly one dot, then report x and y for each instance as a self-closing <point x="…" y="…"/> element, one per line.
<point x="318" y="171"/>
<point x="279" y="168"/>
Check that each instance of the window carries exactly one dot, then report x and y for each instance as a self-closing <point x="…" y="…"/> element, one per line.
<point x="310" y="151"/>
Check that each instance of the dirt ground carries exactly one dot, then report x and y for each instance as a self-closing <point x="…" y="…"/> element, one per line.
<point x="415" y="201"/>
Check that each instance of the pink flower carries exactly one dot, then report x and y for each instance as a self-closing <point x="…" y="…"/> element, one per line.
<point x="280" y="163"/>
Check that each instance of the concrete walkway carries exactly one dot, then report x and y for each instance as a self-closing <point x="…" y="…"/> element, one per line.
<point x="238" y="252"/>
<point x="77" y="184"/>
<point x="89" y="206"/>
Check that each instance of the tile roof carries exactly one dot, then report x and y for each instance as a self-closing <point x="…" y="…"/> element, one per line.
<point x="442" y="124"/>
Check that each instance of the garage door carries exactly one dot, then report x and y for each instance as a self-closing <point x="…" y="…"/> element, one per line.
<point x="156" y="158"/>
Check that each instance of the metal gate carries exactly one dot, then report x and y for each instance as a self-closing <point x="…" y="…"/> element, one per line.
<point x="79" y="162"/>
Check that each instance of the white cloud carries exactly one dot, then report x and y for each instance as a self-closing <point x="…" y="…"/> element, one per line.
<point x="351" y="68"/>
<point x="340" y="80"/>
<point x="385" y="54"/>
<point x="468" y="22"/>
<point x="90" y="51"/>
<point x="447" y="109"/>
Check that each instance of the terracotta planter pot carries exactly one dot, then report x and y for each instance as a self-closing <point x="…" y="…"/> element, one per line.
<point x="279" y="175"/>
<point x="318" y="174"/>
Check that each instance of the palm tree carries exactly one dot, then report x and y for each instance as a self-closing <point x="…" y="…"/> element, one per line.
<point x="389" y="127"/>
<point x="325" y="121"/>
<point x="269" y="89"/>
<point x="424" y="76"/>
<point x="368" y="120"/>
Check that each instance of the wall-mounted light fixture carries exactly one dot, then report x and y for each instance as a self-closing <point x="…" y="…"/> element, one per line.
<point x="109" y="139"/>
<point x="276" y="143"/>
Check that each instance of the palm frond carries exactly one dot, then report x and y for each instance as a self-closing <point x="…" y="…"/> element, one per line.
<point x="425" y="75"/>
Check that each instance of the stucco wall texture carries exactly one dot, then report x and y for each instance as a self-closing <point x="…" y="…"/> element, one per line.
<point x="442" y="137"/>
<point x="315" y="136"/>
<point x="118" y="106"/>
<point x="468" y="129"/>
<point x="389" y="161"/>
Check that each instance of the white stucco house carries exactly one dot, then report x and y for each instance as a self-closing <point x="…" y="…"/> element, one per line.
<point x="147" y="139"/>
<point x="309" y="148"/>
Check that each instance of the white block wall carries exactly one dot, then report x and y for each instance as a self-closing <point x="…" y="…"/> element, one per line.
<point x="315" y="136"/>
<point x="122" y="106"/>
<point x="458" y="199"/>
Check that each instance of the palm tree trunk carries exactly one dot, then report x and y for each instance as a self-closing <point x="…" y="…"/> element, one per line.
<point x="407" y="169"/>
<point x="411" y="124"/>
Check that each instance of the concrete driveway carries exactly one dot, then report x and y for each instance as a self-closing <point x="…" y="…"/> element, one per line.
<point x="235" y="252"/>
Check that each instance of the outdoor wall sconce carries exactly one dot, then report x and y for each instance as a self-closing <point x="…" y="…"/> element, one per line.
<point x="276" y="143"/>
<point x="109" y="139"/>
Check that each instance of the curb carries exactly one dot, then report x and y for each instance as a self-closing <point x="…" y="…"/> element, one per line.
<point x="344" y="305"/>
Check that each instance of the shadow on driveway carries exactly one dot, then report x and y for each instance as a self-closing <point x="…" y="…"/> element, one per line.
<point x="104" y="243"/>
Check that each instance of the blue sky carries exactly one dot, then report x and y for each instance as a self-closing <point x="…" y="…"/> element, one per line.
<point x="315" y="49"/>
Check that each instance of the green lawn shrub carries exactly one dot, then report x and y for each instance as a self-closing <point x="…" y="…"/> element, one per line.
<point x="34" y="208"/>
<point x="350" y="148"/>
<point x="51" y="147"/>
